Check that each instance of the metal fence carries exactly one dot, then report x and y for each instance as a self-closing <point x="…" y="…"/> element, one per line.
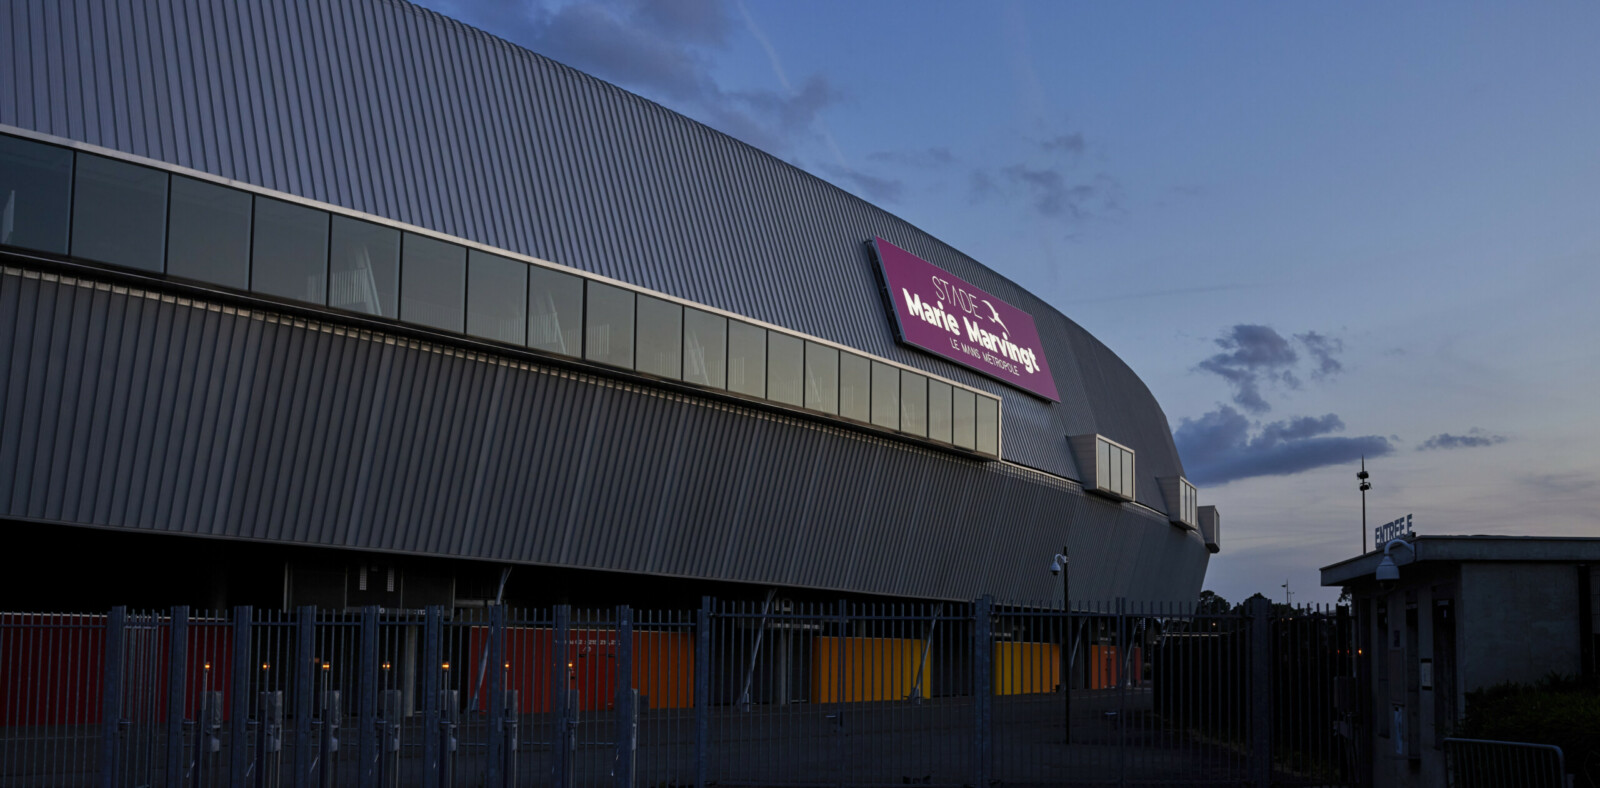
<point x="733" y="693"/>
<point x="1478" y="763"/>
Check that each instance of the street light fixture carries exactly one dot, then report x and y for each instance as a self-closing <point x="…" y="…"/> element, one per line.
<point x="1388" y="570"/>
<point x="1058" y="566"/>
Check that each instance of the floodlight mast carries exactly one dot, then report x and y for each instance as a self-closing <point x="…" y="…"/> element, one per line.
<point x="1365" y="485"/>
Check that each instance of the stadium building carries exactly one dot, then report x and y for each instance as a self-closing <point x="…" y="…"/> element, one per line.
<point x="350" y="304"/>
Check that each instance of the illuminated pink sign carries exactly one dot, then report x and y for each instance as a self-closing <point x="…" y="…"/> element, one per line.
<point x="945" y="315"/>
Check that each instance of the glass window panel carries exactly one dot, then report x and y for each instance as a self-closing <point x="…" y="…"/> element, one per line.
<point x="964" y="418"/>
<point x="35" y="195"/>
<point x="747" y="359"/>
<point x="705" y="348"/>
<point x="608" y="325"/>
<point x="913" y="403"/>
<point x="855" y="387"/>
<point x="364" y="268"/>
<point x="209" y="237"/>
<point x="885" y="395"/>
<point x="822" y="378"/>
<point x="785" y="368"/>
<point x="1114" y="472"/>
<point x="1102" y="465"/>
<point x="289" y="253"/>
<point x="555" y="312"/>
<point x="660" y="337"/>
<point x="497" y="297"/>
<point x="988" y="426"/>
<point x="119" y="213"/>
<point x="939" y="411"/>
<point x="433" y="283"/>
<point x="1127" y="474"/>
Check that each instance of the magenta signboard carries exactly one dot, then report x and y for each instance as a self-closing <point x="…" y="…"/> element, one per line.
<point x="945" y="315"/>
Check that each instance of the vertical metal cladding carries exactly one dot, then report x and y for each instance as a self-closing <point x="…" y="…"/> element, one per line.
<point x="387" y="108"/>
<point x="145" y="411"/>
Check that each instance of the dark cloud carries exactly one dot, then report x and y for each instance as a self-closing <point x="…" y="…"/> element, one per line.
<point x="875" y="188"/>
<point x="1322" y="349"/>
<point x="1218" y="447"/>
<point x="927" y="158"/>
<point x="1068" y="143"/>
<point x="1254" y="356"/>
<point x="1474" y="439"/>
<point x="663" y="50"/>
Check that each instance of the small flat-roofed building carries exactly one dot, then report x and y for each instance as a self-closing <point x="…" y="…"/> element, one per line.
<point x="1464" y="613"/>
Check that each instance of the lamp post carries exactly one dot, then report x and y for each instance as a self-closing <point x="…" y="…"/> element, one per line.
<point x="1059" y="566"/>
<point x="1365" y="485"/>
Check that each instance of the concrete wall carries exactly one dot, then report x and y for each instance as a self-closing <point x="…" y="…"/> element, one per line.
<point x="1398" y="649"/>
<point x="1518" y="622"/>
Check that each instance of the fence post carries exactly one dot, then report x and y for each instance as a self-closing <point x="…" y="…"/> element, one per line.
<point x="561" y="758"/>
<point x="626" y="732"/>
<point x="497" y="699"/>
<point x="982" y="687"/>
<point x="239" y="708"/>
<point x="367" y="770"/>
<point x="431" y="659"/>
<point x="1260" y="612"/>
<point x="702" y="692"/>
<point x="305" y="626"/>
<point x="177" y="674"/>
<point x="111" y="694"/>
<point x="1124" y="651"/>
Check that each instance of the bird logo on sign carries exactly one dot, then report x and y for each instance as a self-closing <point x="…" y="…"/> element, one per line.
<point x="994" y="315"/>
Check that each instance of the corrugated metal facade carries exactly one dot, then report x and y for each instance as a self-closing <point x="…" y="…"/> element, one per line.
<point x="386" y="108"/>
<point x="135" y="410"/>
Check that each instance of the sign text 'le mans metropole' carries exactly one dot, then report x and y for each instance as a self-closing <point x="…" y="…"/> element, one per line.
<point x="943" y="314"/>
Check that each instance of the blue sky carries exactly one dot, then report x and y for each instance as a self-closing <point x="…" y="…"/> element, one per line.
<point x="1315" y="230"/>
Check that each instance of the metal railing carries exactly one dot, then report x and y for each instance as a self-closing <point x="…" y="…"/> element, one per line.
<point x="1481" y="763"/>
<point x="766" y="692"/>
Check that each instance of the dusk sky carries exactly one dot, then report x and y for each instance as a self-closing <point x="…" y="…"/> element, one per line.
<point x="1314" y="230"/>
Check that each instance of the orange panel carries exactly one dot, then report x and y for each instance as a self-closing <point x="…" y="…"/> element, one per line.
<point x="663" y="669"/>
<point x="865" y="669"/>
<point x="1024" y="668"/>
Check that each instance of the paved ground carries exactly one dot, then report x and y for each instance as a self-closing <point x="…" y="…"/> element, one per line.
<point x="1115" y="737"/>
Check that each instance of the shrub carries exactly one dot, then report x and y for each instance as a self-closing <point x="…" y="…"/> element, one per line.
<point x="1557" y="710"/>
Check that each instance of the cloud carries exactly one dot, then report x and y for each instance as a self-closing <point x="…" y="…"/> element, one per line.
<point x="1322" y="349"/>
<point x="663" y="50"/>
<point x="1068" y="143"/>
<point x="1547" y="484"/>
<point x="875" y="188"/>
<point x="1049" y="191"/>
<point x="1474" y="439"/>
<point x="799" y="108"/>
<point x="704" y="21"/>
<point x="927" y="158"/>
<point x="1218" y="447"/>
<point x="1255" y="355"/>
<point x="981" y="185"/>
